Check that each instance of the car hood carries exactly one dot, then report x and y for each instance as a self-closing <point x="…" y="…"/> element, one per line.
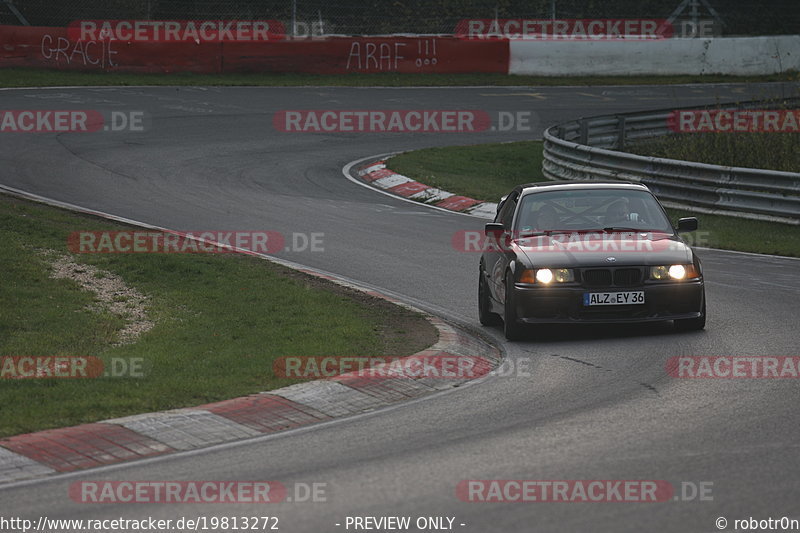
<point x="595" y="249"/>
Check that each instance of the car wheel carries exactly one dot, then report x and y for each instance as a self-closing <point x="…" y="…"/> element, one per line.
<point x="693" y="324"/>
<point x="511" y="327"/>
<point x="485" y="315"/>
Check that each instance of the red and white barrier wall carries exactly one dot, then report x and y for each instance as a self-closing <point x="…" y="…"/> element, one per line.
<point x="745" y="56"/>
<point x="53" y="48"/>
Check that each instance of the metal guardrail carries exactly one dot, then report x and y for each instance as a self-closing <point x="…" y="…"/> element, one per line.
<point x="590" y="148"/>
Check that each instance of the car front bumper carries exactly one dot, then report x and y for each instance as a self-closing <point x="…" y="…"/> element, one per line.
<point x="663" y="301"/>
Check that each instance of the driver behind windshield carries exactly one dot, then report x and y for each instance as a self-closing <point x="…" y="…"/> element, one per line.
<point x="547" y="218"/>
<point x="617" y="213"/>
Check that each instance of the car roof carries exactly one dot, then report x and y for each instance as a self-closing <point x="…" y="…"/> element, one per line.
<point x="565" y="185"/>
<point x="568" y="185"/>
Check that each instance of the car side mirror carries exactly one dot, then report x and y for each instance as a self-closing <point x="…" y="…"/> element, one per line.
<point x="494" y="229"/>
<point x="687" y="224"/>
<point x="498" y="234"/>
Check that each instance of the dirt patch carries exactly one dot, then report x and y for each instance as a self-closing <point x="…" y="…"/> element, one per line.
<point x="111" y="292"/>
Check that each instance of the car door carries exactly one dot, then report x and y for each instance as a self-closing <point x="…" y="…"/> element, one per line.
<point x="496" y="258"/>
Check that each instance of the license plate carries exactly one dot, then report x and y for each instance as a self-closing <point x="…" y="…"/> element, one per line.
<point x="613" y="298"/>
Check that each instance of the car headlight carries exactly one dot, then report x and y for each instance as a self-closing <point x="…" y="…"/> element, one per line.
<point x="546" y="276"/>
<point x="674" y="272"/>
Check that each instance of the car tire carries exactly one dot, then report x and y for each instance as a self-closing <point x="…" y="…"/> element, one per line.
<point x="485" y="315"/>
<point x="693" y="324"/>
<point x="513" y="330"/>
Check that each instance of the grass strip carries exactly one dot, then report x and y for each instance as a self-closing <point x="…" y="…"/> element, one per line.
<point x="220" y="321"/>
<point x="773" y="151"/>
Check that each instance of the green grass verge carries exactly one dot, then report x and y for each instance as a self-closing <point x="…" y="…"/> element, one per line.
<point x="487" y="172"/>
<point x="774" y="151"/>
<point x="22" y="77"/>
<point x="220" y="320"/>
<point x="483" y="171"/>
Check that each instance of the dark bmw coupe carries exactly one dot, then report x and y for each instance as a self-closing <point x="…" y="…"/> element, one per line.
<point x="587" y="252"/>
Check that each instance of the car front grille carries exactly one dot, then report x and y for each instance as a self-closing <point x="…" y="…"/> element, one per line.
<point x="600" y="277"/>
<point x="627" y="276"/>
<point x="611" y="277"/>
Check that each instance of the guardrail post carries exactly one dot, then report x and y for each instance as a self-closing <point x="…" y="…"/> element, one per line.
<point x="621" y="132"/>
<point x="584" y="131"/>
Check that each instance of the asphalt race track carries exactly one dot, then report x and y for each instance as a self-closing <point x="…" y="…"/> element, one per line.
<point x="596" y="404"/>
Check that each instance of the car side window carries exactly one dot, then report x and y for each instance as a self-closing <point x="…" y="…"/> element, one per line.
<point x="506" y="214"/>
<point x="498" y="215"/>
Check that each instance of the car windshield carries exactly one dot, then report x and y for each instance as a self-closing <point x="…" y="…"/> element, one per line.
<point x="590" y="210"/>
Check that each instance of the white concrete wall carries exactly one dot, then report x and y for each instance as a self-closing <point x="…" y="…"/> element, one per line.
<point x="727" y="55"/>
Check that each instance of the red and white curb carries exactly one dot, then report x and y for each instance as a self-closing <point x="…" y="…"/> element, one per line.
<point x="377" y="175"/>
<point x="135" y="437"/>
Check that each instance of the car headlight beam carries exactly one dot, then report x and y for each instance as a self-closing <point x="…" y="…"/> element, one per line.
<point x="673" y="272"/>
<point x="547" y="276"/>
<point x="677" y="272"/>
<point x="544" y="275"/>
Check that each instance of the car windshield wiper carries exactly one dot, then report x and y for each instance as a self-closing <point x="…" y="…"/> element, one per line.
<point x="562" y="231"/>
<point x="619" y="228"/>
<point x="542" y="233"/>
